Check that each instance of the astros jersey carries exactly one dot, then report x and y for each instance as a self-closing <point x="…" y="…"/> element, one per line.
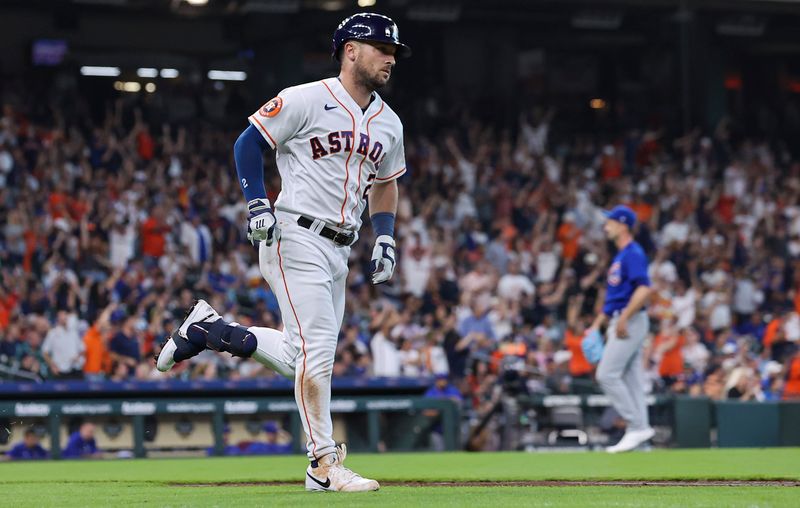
<point x="627" y="272"/>
<point x="328" y="151"/>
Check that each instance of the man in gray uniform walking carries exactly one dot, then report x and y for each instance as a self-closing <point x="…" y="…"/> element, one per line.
<point x="621" y="370"/>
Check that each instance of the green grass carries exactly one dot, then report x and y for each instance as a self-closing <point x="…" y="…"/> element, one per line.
<point x="140" y="482"/>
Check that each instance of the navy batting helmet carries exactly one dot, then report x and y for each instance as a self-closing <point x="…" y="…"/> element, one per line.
<point x="368" y="26"/>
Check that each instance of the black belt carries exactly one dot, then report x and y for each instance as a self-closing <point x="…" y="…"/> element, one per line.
<point x="338" y="237"/>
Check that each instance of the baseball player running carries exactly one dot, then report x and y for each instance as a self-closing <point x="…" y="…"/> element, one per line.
<point x="621" y="371"/>
<point x="336" y="142"/>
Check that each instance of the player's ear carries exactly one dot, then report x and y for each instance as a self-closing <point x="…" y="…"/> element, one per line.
<point x="350" y="50"/>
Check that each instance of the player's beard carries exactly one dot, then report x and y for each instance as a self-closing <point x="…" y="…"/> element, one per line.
<point x="368" y="80"/>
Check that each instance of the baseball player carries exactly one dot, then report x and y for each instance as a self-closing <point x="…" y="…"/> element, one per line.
<point x="621" y="371"/>
<point x="336" y="143"/>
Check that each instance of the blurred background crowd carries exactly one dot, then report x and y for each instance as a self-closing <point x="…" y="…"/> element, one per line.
<point x="109" y="229"/>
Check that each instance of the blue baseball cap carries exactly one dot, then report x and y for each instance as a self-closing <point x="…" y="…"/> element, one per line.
<point x="623" y="214"/>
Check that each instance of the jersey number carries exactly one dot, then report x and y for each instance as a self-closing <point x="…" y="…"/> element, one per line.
<point x="370" y="180"/>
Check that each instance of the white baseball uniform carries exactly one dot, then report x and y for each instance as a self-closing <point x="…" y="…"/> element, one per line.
<point x="328" y="153"/>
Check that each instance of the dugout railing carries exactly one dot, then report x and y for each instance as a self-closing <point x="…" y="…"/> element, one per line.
<point x="378" y="418"/>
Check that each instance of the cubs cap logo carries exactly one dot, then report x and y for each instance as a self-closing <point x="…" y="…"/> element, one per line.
<point x="271" y="108"/>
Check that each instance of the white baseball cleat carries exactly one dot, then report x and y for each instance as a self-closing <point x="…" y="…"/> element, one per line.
<point x="200" y="311"/>
<point x="332" y="476"/>
<point x="631" y="440"/>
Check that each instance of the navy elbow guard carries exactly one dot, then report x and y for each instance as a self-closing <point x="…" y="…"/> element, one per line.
<point x="220" y="335"/>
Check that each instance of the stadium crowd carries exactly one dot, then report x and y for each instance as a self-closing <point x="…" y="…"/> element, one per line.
<point x="110" y="230"/>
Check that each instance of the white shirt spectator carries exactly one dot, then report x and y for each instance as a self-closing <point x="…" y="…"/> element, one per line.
<point x="684" y="307"/>
<point x="409" y="362"/>
<point x="664" y="270"/>
<point x="122" y="243"/>
<point x="64" y="346"/>
<point x="720" y="316"/>
<point x="436" y="361"/>
<point x="546" y="266"/>
<point x="696" y="356"/>
<point x="385" y="357"/>
<point x="746" y="296"/>
<point x="416" y="269"/>
<point x="192" y="237"/>
<point x="675" y="232"/>
<point x="513" y="286"/>
<point x="465" y="207"/>
<point x="735" y="182"/>
<point x="791" y="327"/>
<point x="536" y="137"/>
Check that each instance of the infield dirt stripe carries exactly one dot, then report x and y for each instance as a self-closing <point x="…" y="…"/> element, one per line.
<point x="538" y="483"/>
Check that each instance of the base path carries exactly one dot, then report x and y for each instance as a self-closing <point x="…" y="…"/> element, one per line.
<point x="537" y="483"/>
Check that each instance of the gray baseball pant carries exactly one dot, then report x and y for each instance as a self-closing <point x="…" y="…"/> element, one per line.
<point x="621" y="371"/>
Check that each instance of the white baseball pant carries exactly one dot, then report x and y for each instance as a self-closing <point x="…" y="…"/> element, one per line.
<point x="308" y="274"/>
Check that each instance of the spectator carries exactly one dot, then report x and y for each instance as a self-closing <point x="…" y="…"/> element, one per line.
<point x="196" y="239"/>
<point x="792" y="388"/>
<point x="81" y="443"/>
<point x="441" y="389"/>
<point x="63" y="348"/>
<point x="579" y="368"/>
<point x="124" y="346"/>
<point x="228" y="449"/>
<point x="514" y="284"/>
<point x="276" y="442"/>
<point x="154" y="233"/>
<point x="477" y="324"/>
<point x="668" y="354"/>
<point x="743" y="385"/>
<point x="695" y="353"/>
<point x="386" y="357"/>
<point x="29" y="448"/>
<point x="98" y="359"/>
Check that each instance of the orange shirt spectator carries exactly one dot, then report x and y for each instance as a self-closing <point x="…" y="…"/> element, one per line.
<point x="610" y="167"/>
<point x="643" y="211"/>
<point x="792" y="388"/>
<point x="5" y="316"/>
<point x="145" y="145"/>
<point x="58" y="205"/>
<point x="578" y="365"/>
<point x="569" y="236"/>
<point x="726" y="208"/>
<point x="771" y="332"/>
<point x="153" y="240"/>
<point x="672" y="359"/>
<point x="98" y="361"/>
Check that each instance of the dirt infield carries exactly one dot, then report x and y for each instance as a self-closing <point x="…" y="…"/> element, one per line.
<point x="537" y="483"/>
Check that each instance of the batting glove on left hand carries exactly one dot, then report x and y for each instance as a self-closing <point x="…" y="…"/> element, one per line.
<point x="383" y="259"/>
<point x="261" y="223"/>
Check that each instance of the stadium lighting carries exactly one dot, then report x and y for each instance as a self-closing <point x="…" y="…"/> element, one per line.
<point x="332" y="5"/>
<point x="127" y="86"/>
<point x="147" y="72"/>
<point x="196" y="2"/>
<point x="150" y="87"/>
<point x="227" y="75"/>
<point x="597" y="104"/>
<point x="366" y="3"/>
<point x="169" y="73"/>
<point x="93" y="70"/>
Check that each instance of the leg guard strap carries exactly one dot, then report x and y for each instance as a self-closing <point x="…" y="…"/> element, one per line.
<point x="223" y="336"/>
